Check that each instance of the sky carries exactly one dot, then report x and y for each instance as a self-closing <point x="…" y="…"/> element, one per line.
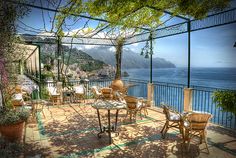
<point x="209" y="47"/>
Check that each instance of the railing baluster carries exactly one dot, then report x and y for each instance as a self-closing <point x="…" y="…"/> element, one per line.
<point x="173" y="95"/>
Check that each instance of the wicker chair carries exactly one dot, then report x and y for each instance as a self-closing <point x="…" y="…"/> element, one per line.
<point x="134" y="106"/>
<point x="96" y="93"/>
<point x="20" y="89"/>
<point x="79" y="93"/>
<point x="55" y="95"/>
<point x="195" y="126"/>
<point x="173" y="120"/>
<point x="107" y="93"/>
<point x="18" y="100"/>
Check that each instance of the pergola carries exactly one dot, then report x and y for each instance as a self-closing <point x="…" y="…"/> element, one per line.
<point x="29" y="54"/>
<point x="180" y="98"/>
<point x="185" y="26"/>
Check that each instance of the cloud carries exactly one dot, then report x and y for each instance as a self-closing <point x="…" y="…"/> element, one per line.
<point x="112" y="49"/>
<point x="135" y="45"/>
<point x="90" y="46"/>
<point x="79" y="47"/>
<point x="42" y="34"/>
<point x="80" y="32"/>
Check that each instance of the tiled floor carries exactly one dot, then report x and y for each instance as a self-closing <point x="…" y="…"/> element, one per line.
<point x="71" y="131"/>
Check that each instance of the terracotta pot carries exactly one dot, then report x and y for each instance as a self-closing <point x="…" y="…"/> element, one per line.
<point x="117" y="84"/>
<point x="12" y="132"/>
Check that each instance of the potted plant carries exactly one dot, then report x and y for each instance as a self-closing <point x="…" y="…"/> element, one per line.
<point x="11" y="120"/>
<point x="12" y="123"/>
<point x="226" y="100"/>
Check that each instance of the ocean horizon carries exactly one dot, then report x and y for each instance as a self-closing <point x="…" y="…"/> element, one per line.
<point x="217" y="77"/>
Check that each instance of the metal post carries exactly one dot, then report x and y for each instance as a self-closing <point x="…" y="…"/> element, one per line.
<point x="99" y="121"/>
<point x="40" y="79"/>
<point x="35" y="65"/>
<point x="109" y="127"/>
<point x="189" y="50"/>
<point x="58" y="60"/>
<point x="151" y="52"/>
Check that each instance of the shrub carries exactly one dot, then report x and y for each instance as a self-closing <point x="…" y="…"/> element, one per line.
<point x="11" y="116"/>
<point x="226" y="100"/>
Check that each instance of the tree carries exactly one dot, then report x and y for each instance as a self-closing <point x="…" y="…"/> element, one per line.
<point x="120" y="41"/>
<point x="140" y="13"/>
<point x="129" y="15"/>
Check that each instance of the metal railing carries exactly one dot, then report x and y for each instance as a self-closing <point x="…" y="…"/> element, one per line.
<point x="173" y="95"/>
<point x="137" y="88"/>
<point x="202" y="101"/>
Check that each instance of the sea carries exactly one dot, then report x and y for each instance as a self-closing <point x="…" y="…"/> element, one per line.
<point x="222" y="78"/>
<point x="205" y="78"/>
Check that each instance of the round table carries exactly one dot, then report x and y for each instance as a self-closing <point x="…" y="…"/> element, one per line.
<point x="68" y="96"/>
<point x="108" y="105"/>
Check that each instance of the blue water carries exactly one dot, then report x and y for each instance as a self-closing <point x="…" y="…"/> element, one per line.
<point x="222" y="78"/>
<point x="207" y="77"/>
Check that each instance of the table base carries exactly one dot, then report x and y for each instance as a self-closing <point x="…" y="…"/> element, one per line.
<point x="109" y="128"/>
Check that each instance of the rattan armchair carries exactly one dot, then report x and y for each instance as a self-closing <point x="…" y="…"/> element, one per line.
<point x="107" y="93"/>
<point x="173" y="120"/>
<point x="79" y="93"/>
<point x="134" y="106"/>
<point x="20" y="89"/>
<point x="55" y="95"/>
<point x="195" y="126"/>
<point x="18" y="100"/>
<point x="96" y="93"/>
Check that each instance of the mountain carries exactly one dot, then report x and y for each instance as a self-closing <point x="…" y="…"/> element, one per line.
<point x="98" y="56"/>
<point x="83" y="61"/>
<point x="130" y="59"/>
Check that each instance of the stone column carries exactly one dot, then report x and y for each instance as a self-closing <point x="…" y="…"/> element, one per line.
<point x="188" y="99"/>
<point x="150" y="94"/>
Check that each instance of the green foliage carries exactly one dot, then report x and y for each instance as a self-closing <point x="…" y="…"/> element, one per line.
<point x="46" y="58"/>
<point x="140" y="13"/>
<point x="44" y="93"/>
<point x="48" y="67"/>
<point x="11" y="116"/>
<point x="133" y="15"/>
<point x="119" y="47"/>
<point x="84" y="61"/>
<point x="91" y="66"/>
<point x="226" y="100"/>
<point x="47" y="75"/>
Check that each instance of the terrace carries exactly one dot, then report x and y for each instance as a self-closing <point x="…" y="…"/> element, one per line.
<point x="69" y="129"/>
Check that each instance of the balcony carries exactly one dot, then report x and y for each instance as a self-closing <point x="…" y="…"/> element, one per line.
<point x="57" y="49"/>
<point x="71" y="131"/>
